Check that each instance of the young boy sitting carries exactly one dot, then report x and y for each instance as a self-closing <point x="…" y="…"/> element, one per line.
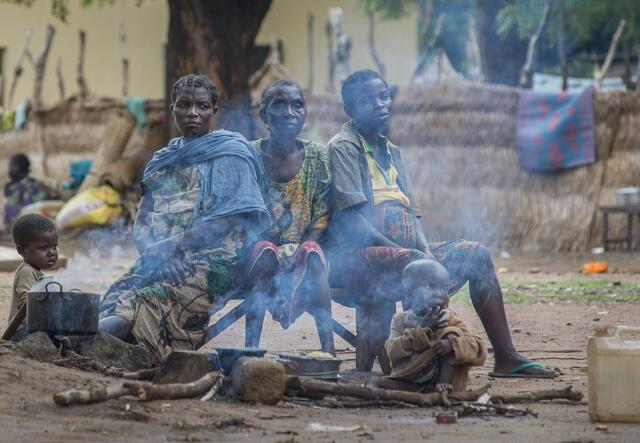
<point x="36" y="240"/>
<point x="429" y="347"/>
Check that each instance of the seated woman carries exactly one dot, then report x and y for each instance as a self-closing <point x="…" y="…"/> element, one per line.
<point x="376" y="230"/>
<point x="201" y="205"/>
<point x="297" y="196"/>
<point x="22" y="190"/>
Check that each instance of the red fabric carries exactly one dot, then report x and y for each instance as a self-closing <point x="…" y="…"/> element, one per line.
<point x="290" y="303"/>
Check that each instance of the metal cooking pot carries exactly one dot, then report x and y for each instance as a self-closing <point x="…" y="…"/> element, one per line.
<point x="58" y="312"/>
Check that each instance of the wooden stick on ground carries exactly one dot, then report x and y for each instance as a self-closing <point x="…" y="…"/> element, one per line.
<point x="88" y="396"/>
<point x="142" y="374"/>
<point x="566" y="393"/>
<point x="318" y="389"/>
<point x="144" y="391"/>
<point x="147" y="391"/>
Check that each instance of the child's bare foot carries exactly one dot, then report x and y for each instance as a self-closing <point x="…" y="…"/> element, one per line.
<point x="444" y="387"/>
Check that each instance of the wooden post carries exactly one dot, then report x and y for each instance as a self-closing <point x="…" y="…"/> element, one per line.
<point x="341" y="46"/>
<point x="560" y="43"/>
<point x="526" y="73"/>
<point x="372" y="44"/>
<point x="17" y="70"/>
<point x="125" y="60"/>
<point x="60" y="78"/>
<point x="310" y="19"/>
<point x="40" y="66"/>
<point x="600" y="72"/>
<point x="332" y="64"/>
<point x="82" y="84"/>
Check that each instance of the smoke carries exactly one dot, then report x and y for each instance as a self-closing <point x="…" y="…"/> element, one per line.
<point x="101" y="257"/>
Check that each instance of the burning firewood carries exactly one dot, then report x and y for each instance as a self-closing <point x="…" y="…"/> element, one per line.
<point x="144" y="391"/>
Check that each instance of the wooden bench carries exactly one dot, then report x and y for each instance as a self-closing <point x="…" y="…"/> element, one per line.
<point x="373" y="321"/>
<point x="630" y="211"/>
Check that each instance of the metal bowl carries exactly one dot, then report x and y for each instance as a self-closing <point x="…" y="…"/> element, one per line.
<point x="628" y="196"/>
<point x="228" y="356"/>
<point x="311" y="367"/>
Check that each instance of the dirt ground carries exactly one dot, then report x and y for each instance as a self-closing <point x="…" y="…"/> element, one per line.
<point x="552" y="310"/>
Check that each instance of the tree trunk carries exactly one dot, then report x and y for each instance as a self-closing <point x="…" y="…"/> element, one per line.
<point x="217" y="39"/>
<point x="502" y="58"/>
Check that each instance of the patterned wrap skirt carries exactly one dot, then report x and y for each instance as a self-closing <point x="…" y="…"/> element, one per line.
<point x="290" y="302"/>
<point x="358" y="268"/>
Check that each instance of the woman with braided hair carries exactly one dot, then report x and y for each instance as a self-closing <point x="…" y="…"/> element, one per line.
<point x="201" y="206"/>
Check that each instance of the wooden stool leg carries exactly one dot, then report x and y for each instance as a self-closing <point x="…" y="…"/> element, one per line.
<point x="387" y="310"/>
<point x="253" y="326"/>
<point x="365" y="352"/>
<point x="605" y="230"/>
<point x="629" y="232"/>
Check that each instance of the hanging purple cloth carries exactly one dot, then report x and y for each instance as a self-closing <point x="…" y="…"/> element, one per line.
<point x="555" y="131"/>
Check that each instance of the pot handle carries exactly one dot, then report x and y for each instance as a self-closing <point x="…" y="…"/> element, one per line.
<point x="46" y="287"/>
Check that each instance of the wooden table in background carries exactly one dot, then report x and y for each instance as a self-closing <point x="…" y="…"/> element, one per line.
<point x="628" y="210"/>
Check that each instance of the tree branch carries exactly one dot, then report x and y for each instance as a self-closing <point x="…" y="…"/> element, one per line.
<point x="60" y="78"/>
<point x="40" y="66"/>
<point x="310" y="20"/>
<point x="372" y="44"/>
<point x="17" y="70"/>
<point x="600" y="72"/>
<point x="125" y="59"/>
<point x="526" y="73"/>
<point x="424" y="57"/>
<point x="82" y="84"/>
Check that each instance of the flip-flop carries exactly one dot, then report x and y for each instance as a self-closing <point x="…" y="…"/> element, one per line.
<point x="515" y="372"/>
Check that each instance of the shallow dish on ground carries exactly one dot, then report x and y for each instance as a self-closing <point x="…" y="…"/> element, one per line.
<point x="311" y="367"/>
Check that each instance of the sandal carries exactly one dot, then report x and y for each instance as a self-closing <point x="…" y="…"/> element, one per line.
<point x="515" y="372"/>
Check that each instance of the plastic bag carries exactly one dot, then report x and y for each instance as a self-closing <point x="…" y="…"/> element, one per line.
<point x="94" y="206"/>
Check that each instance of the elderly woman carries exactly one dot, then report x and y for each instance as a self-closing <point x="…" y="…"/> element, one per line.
<point x="376" y="231"/>
<point x="201" y="205"/>
<point x="297" y="196"/>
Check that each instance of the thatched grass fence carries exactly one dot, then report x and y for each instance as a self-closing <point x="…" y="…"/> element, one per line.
<point x="458" y="141"/>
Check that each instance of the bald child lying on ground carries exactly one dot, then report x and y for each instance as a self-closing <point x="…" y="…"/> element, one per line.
<point x="429" y="347"/>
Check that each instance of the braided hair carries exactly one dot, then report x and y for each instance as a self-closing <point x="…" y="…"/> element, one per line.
<point x="194" y="81"/>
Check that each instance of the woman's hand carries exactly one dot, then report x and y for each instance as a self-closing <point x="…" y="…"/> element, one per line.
<point x="160" y="250"/>
<point x="174" y="271"/>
